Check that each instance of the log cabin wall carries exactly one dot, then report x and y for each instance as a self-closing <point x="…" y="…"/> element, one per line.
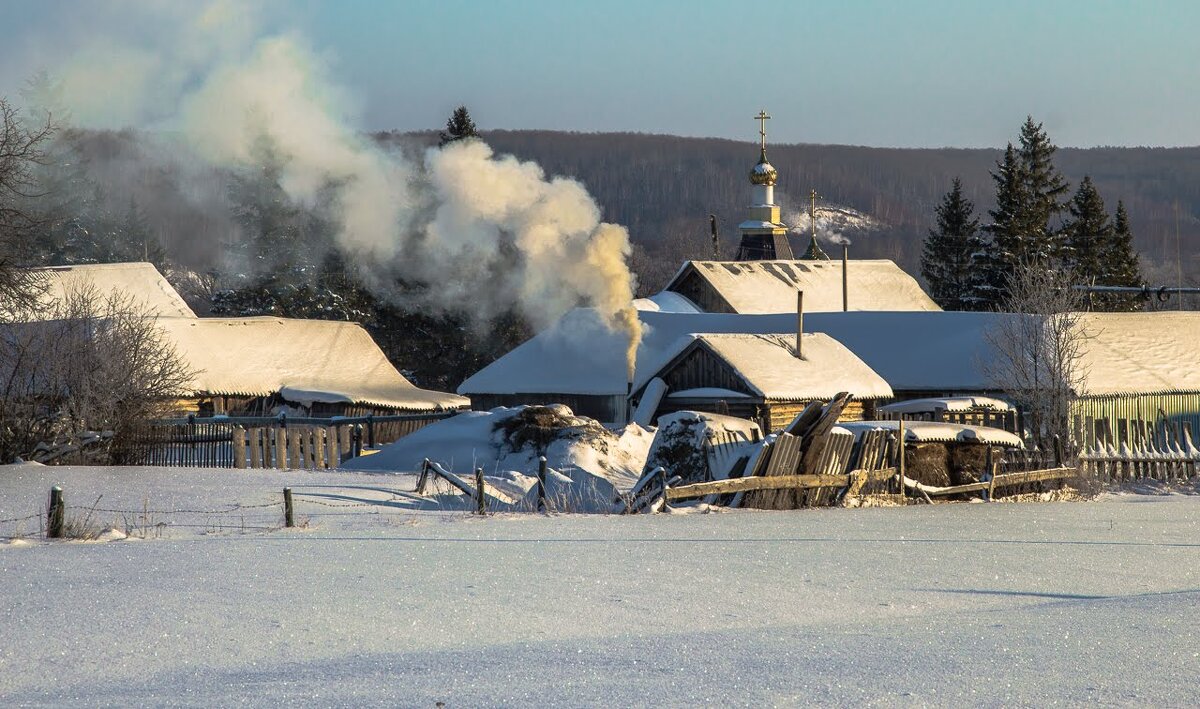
<point x="700" y="291"/>
<point x="700" y="369"/>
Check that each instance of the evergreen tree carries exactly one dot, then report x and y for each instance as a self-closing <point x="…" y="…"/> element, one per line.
<point x="1088" y="235"/>
<point x="946" y="260"/>
<point x="1009" y="245"/>
<point x="1122" y="266"/>
<point x="1045" y="192"/>
<point x="458" y="127"/>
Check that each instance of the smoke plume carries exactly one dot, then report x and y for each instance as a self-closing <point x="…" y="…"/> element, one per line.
<point x="485" y="232"/>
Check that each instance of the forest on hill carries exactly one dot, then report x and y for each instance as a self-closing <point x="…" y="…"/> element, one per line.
<point x="664" y="187"/>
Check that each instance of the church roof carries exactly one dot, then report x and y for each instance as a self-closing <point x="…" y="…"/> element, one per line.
<point x="770" y="286"/>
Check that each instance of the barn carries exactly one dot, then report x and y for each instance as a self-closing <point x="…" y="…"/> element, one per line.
<point x="760" y="377"/>
<point x="261" y="365"/>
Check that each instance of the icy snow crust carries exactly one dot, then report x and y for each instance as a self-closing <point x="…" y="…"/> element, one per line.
<point x="770" y="286"/>
<point x="957" y="605"/>
<point x="951" y="403"/>
<point x="937" y="432"/>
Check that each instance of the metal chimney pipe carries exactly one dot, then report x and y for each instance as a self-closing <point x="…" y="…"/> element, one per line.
<point x="845" y="277"/>
<point x="799" y="324"/>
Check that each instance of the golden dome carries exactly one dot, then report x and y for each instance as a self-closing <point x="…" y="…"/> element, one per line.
<point x="763" y="173"/>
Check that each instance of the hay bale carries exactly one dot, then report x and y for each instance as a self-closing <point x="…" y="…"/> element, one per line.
<point x="928" y="464"/>
<point x="967" y="463"/>
<point x="536" y="427"/>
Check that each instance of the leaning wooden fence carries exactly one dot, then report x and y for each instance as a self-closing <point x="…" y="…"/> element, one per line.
<point x="268" y="442"/>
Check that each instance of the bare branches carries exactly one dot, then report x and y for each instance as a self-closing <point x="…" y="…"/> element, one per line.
<point x="21" y="149"/>
<point x="1038" y="347"/>
<point x="97" y="364"/>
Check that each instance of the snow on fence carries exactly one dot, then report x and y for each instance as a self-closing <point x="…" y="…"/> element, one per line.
<point x="269" y="442"/>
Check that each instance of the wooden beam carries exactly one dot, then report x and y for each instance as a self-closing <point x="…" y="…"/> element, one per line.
<point x="774" y="482"/>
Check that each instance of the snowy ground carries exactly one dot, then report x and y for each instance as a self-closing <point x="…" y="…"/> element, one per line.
<point x="381" y="604"/>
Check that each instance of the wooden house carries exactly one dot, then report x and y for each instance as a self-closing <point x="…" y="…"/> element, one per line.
<point x="261" y="365"/>
<point x="750" y="287"/>
<point x="760" y="377"/>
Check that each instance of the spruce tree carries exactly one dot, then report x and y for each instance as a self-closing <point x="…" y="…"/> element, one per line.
<point x="458" y="127"/>
<point x="1122" y="266"/>
<point x="1088" y="235"/>
<point x="1045" y="192"/>
<point x="1009" y="244"/>
<point x="946" y="261"/>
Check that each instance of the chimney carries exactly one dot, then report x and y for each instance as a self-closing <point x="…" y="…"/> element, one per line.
<point x="799" y="323"/>
<point x="845" y="277"/>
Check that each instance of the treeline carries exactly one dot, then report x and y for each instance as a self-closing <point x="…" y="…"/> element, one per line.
<point x="664" y="187"/>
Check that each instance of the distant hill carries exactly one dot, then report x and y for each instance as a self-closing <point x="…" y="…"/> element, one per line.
<point x="664" y="187"/>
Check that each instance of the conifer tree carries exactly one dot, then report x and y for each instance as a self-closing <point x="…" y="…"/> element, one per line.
<point x="1122" y="266"/>
<point x="1045" y="191"/>
<point x="1088" y="234"/>
<point x="1009" y="230"/>
<point x="946" y="261"/>
<point x="458" y="127"/>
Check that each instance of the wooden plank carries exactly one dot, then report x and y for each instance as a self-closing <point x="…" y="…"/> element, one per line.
<point x="777" y="482"/>
<point x="239" y="447"/>
<point x="255" y="448"/>
<point x="293" y="448"/>
<point x="1003" y="480"/>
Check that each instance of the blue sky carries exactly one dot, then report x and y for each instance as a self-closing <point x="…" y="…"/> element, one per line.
<point x="912" y="73"/>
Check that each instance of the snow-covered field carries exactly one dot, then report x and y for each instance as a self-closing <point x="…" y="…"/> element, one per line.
<point x="377" y="602"/>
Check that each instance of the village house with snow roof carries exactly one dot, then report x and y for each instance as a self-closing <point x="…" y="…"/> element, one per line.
<point x="720" y="336"/>
<point x="258" y="365"/>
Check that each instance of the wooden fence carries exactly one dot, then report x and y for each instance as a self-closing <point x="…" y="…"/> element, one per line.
<point x="268" y="442"/>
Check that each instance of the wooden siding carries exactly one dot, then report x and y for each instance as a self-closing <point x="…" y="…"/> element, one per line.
<point x="697" y="289"/>
<point x="700" y="368"/>
<point x="1182" y="408"/>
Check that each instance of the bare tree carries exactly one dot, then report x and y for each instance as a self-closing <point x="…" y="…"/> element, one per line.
<point x="21" y="148"/>
<point x="1037" y="348"/>
<point x="98" y="365"/>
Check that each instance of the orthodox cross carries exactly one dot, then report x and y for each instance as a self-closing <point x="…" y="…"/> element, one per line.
<point x="812" y="213"/>
<point x="762" y="118"/>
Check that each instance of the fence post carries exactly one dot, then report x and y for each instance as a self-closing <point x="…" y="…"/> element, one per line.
<point x="480" y="492"/>
<point x="55" y="513"/>
<point x="239" y="447"/>
<point x="423" y="479"/>
<point x="1058" y="451"/>
<point x="280" y="460"/>
<point x="541" y="483"/>
<point x="289" y="519"/>
<point x="662" y="476"/>
<point x="900" y="467"/>
<point x="371" y="430"/>
<point x="356" y="440"/>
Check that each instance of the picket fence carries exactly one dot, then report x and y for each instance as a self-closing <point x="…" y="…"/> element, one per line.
<point x="269" y="442"/>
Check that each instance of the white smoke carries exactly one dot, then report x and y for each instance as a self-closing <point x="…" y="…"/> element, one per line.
<point x="834" y="224"/>
<point x="486" y="232"/>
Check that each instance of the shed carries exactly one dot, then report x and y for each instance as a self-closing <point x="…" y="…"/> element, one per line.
<point x="770" y="286"/>
<point x="760" y="377"/>
<point x="252" y="365"/>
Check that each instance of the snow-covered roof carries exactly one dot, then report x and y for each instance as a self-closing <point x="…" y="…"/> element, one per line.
<point x="770" y="286"/>
<point x="140" y="281"/>
<point x="947" y="403"/>
<point x="767" y="363"/>
<point x="913" y="351"/>
<point x="666" y="302"/>
<point x="937" y="432"/>
<point x="305" y="360"/>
